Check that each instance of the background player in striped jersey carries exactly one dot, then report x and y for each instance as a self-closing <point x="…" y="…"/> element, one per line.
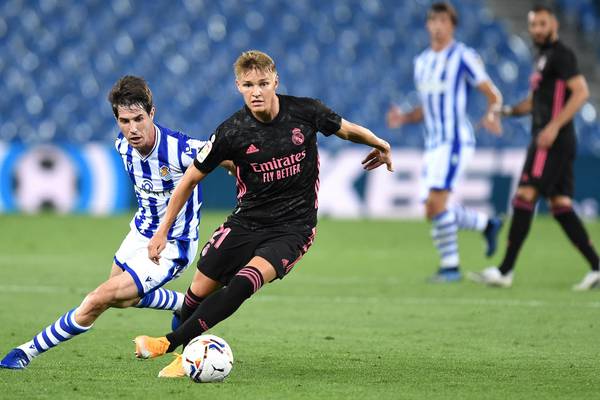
<point x="155" y="158"/>
<point x="273" y="142"/>
<point x="443" y="74"/>
<point x="558" y="90"/>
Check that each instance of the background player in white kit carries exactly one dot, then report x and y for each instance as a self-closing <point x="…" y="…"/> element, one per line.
<point x="443" y="73"/>
<point x="155" y="159"/>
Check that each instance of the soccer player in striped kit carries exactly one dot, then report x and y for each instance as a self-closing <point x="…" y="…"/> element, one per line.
<point x="155" y="158"/>
<point x="558" y="90"/>
<point x="444" y="74"/>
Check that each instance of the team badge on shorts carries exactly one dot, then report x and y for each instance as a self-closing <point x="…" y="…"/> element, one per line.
<point x="165" y="173"/>
<point x="297" y="136"/>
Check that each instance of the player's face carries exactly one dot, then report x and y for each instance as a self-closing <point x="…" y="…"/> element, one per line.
<point x="258" y="89"/>
<point x="543" y="27"/>
<point x="137" y="126"/>
<point x="440" y="27"/>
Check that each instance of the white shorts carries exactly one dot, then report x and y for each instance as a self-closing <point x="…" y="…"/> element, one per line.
<point x="132" y="257"/>
<point x="443" y="166"/>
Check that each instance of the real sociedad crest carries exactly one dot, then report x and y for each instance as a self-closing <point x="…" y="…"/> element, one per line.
<point x="165" y="173"/>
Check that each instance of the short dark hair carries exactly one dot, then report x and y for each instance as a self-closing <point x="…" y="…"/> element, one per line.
<point x="130" y="91"/>
<point x="443" y="7"/>
<point x="541" y="7"/>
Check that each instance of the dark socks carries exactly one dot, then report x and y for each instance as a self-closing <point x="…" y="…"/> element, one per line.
<point x="519" y="228"/>
<point x="217" y="307"/>
<point x="190" y="303"/>
<point x="576" y="232"/>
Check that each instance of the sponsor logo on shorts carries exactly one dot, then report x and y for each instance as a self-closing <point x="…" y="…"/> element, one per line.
<point x="285" y="262"/>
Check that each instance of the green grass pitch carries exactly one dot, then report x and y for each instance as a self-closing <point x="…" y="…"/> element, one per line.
<point x="354" y="319"/>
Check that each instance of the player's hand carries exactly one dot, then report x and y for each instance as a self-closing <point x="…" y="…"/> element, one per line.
<point x="547" y="136"/>
<point x="156" y="245"/>
<point x="491" y="122"/>
<point x="394" y="117"/>
<point x="377" y="158"/>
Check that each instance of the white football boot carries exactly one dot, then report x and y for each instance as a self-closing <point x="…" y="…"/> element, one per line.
<point x="591" y="280"/>
<point x="492" y="276"/>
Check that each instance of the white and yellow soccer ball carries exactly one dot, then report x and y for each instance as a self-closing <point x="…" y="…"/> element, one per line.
<point x="207" y="358"/>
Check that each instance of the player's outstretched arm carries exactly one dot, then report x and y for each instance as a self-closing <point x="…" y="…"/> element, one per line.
<point x="491" y="118"/>
<point x="396" y="118"/>
<point x="381" y="153"/>
<point x="522" y="108"/>
<point x="180" y="195"/>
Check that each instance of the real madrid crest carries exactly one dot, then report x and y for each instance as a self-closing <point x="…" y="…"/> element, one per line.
<point x="541" y="63"/>
<point x="297" y="136"/>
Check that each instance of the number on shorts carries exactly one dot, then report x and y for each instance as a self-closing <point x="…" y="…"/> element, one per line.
<point x="222" y="233"/>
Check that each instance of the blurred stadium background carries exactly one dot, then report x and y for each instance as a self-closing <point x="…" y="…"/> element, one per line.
<point x="60" y="58"/>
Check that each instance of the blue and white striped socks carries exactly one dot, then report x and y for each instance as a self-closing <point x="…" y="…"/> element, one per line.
<point x="468" y="219"/>
<point x="444" y="234"/>
<point x="162" y="299"/>
<point x="60" y="331"/>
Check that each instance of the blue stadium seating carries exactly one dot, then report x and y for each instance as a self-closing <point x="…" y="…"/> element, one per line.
<point x="60" y="58"/>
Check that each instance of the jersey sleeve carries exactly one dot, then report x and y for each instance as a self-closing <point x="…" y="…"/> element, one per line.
<point x="190" y="150"/>
<point x="475" y="68"/>
<point x="326" y="121"/>
<point x="213" y="152"/>
<point x="566" y="65"/>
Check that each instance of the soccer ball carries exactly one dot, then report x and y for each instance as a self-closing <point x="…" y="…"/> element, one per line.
<point x="207" y="358"/>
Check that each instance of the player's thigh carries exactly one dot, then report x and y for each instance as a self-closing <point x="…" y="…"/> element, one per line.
<point x="115" y="270"/>
<point x="283" y="251"/>
<point x="230" y="248"/>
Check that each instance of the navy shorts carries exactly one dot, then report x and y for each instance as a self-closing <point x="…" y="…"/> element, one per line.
<point x="550" y="171"/>
<point x="232" y="246"/>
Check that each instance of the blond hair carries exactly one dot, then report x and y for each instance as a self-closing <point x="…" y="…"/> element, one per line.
<point x="253" y="60"/>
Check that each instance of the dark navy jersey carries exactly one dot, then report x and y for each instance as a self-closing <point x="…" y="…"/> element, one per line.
<point x="555" y="64"/>
<point x="277" y="163"/>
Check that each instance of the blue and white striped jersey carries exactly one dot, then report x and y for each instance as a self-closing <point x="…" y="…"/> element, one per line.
<point x="154" y="177"/>
<point x="443" y="80"/>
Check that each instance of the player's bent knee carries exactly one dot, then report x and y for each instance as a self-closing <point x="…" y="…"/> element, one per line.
<point x="560" y="202"/>
<point x="526" y="193"/>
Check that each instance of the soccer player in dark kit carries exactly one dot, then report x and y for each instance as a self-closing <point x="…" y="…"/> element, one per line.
<point x="272" y="141"/>
<point x="558" y="90"/>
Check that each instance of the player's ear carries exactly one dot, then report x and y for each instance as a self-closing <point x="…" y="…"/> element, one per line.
<point x="276" y="81"/>
<point x="238" y="84"/>
<point x="152" y="111"/>
<point x="555" y="24"/>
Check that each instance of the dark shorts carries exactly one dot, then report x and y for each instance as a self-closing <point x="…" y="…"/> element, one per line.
<point x="550" y="171"/>
<point x="233" y="246"/>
